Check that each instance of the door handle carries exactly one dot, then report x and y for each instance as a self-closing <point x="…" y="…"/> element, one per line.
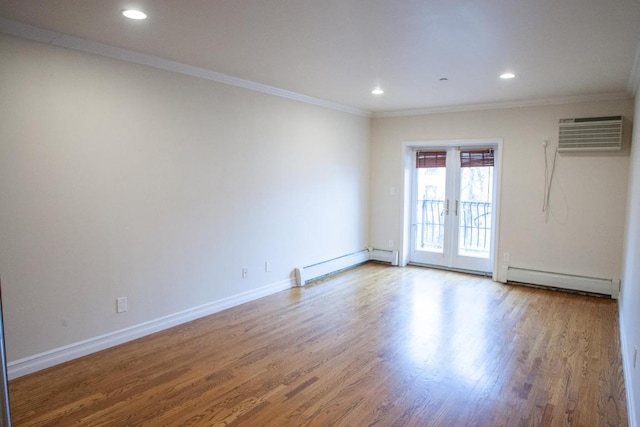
<point x="446" y="208"/>
<point x="456" y="208"/>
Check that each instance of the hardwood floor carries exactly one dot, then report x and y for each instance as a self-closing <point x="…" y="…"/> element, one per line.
<point x="376" y="345"/>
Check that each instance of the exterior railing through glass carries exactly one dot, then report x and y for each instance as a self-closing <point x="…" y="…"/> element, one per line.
<point x="474" y="226"/>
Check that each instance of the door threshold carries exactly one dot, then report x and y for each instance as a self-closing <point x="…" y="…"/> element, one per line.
<point x="457" y="270"/>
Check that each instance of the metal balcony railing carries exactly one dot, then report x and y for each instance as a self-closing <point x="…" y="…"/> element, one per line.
<point x="431" y="223"/>
<point x="474" y="226"/>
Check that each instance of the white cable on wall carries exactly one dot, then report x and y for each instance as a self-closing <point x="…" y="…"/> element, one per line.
<point x="548" y="179"/>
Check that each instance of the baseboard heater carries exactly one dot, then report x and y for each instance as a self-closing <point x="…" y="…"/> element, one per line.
<point x="316" y="271"/>
<point x="594" y="285"/>
<point x="383" y="255"/>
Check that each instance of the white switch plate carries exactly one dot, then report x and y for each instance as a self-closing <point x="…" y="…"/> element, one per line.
<point x="121" y="305"/>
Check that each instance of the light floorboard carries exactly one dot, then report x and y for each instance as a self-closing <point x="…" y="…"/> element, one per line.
<point x="375" y="345"/>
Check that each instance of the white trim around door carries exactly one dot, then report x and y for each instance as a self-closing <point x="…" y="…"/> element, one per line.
<point x="409" y="149"/>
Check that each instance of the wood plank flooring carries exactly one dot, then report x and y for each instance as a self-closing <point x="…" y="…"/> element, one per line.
<point x="376" y="345"/>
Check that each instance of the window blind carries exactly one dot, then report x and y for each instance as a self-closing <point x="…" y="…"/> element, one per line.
<point x="431" y="159"/>
<point x="476" y="158"/>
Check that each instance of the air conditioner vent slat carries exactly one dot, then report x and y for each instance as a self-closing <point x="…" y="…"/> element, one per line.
<point x="590" y="134"/>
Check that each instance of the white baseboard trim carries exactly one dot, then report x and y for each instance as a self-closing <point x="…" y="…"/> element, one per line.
<point x="627" y="368"/>
<point x="27" y="365"/>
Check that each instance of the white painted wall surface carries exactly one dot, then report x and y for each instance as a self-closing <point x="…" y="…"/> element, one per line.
<point x="122" y="180"/>
<point x="584" y="234"/>
<point x="630" y="295"/>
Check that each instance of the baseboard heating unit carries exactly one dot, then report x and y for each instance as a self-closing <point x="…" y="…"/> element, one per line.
<point x="313" y="272"/>
<point x="594" y="285"/>
<point x="382" y="255"/>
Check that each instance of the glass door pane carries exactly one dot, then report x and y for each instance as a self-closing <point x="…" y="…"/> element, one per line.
<point x="430" y="209"/>
<point x="475" y="211"/>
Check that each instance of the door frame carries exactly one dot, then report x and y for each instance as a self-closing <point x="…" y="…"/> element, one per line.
<point x="408" y="147"/>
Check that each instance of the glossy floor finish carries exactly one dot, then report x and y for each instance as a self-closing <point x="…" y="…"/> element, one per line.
<point x="376" y="345"/>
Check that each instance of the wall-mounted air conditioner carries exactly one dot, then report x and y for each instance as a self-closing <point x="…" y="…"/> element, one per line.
<point x="590" y="134"/>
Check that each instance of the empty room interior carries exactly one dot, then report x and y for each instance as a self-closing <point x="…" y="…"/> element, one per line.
<point x="320" y="213"/>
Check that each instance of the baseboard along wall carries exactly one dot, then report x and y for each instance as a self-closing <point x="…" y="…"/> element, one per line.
<point x="27" y="365"/>
<point x="627" y="368"/>
<point x="69" y="352"/>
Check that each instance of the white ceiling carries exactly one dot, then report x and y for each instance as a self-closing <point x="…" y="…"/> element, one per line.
<point x="339" y="50"/>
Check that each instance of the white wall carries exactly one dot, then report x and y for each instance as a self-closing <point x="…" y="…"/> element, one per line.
<point x="584" y="234"/>
<point x="630" y="295"/>
<point x="122" y="180"/>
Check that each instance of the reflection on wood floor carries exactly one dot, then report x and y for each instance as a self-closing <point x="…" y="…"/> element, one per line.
<point x="375" y="345"/>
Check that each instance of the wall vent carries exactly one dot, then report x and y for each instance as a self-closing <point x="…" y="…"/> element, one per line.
<point x="590" y="134"/>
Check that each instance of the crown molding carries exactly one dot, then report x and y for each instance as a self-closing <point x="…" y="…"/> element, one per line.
<point x="617" y="96"/>
<point x="19" y="29"/>
<point x="25" y="31"/>
<point x="634" y="77"/>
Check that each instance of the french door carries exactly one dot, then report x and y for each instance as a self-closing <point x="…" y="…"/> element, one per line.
<point x="452" y="208"/>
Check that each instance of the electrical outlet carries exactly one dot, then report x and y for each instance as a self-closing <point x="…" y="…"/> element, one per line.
<point x="506" y="257"/>
<point x="121" y="305"/>
<point x="267" y="266"/>
<point x="245" y="272"/>
<point x="390" y="244"/>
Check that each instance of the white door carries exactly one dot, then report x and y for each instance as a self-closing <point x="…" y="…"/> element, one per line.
<point x="452" y="209"/>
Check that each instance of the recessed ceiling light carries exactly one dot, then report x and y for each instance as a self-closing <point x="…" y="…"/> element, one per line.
<point x="377" y="91"/>
<point x="134" y="14"/>
<point x="507" y="76"/>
